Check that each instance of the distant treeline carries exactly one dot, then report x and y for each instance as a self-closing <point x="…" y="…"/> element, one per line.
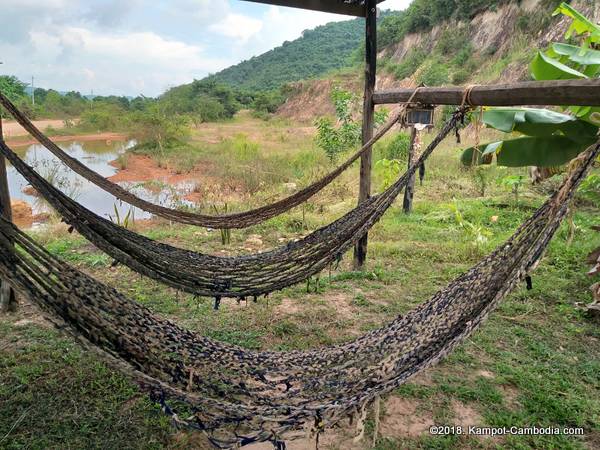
<point x="200" y="101"/>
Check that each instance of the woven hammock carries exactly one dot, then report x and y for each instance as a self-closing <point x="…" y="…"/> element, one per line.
<point x="233" y="220"/>
<point x="239" y="276"/>
<point x="238" y="396"/>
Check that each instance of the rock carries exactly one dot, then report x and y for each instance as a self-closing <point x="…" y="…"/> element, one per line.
<point x="290" y="186"/>
<point x="30" y="190"/>
<point x="21" y="211"/>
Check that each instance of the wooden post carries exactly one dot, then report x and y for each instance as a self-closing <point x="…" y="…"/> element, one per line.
<point x="360" y="251"/>
<point x="8" y="302"/>
<point x="409" y="191"/>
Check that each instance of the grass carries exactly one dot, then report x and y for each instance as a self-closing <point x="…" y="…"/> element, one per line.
<point x="536" y="361"/>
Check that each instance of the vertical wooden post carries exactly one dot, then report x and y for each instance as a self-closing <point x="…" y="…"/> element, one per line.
<point x="360" y="251"/>
<point x="8" y="300"/>
<point x="409" y="191"/>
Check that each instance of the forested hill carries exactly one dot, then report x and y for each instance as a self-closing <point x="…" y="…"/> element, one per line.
<point x="327" y="47"/>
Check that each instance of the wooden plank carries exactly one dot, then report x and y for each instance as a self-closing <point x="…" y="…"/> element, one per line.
<point x="550" y="93"/>
<point x="7" y="295"/>
<point x="331" y="6"/>
<point x="409" y="191"/>
<point x="360" y="250"/>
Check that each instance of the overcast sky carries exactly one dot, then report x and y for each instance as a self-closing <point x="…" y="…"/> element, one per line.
<point x="131" y="47"/>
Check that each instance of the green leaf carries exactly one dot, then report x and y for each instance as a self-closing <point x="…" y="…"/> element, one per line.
<point x="544" y="67"/>
<point x="580" y="25"/>
<point x="579" y="55"/>
<point x="547" y="151"/>
<point x="539" y="122"/>
<point x="487" y="149"/>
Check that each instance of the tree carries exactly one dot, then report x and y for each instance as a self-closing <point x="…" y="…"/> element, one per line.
<point x="13" y="88"/>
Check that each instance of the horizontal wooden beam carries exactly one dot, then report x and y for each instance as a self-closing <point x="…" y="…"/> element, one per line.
<point x="356" y="9"/>
<point x="549" y="93"/>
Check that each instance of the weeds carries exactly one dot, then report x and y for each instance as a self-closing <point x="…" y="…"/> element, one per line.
<point x="226" y="232"/>
<point x="125" y="221"/>
<point x="514" y="183"/>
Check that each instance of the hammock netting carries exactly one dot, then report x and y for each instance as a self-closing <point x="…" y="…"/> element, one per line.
<point x="218" y="276"/>
<point x="238" y="396"/>
<point x="233" y="220"/>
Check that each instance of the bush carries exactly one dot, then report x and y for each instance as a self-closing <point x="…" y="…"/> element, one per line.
<point x="435" y="74"/>
<point x="452" y="40"/>
<point x="398" y="147"/>
<point x="335" y="140"/>
<point x="410" y="63"/>
<point x="155" y="128"/>
<point x="100" y="119"/>
<point x="460" y="76"/>
<point x="464" y="55"/>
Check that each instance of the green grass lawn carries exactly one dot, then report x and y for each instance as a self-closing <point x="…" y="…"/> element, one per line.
<point x="535" y="362"/>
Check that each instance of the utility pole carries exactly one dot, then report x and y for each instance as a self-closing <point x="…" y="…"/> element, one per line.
<point x="32" y="92"/>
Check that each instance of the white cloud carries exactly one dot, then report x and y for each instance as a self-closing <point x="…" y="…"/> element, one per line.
<point x="396" y="5"/>
<point x="237" y="26"/>
<point x="141" y="46"/>
<point x="126" y="63"/>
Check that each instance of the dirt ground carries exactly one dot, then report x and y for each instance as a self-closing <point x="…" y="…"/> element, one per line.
<point x="19" y="141"/>
<point x="10" y="128"/>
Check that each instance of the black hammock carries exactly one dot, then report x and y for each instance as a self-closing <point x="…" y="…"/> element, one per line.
<point x="240" y="396"/>
<point x="238" y="276"/>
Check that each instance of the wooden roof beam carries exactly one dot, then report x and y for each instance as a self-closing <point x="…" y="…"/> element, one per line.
<point x="354" y="8"/>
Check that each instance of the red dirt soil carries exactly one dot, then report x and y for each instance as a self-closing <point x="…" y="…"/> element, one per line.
<point x="22" y="214"/>
<point x="142" y="168"/>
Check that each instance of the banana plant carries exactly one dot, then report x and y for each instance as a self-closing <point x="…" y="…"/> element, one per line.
<point x="548" y="138"/>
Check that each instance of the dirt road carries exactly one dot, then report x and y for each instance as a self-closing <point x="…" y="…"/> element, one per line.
<point x="12" y="128"/>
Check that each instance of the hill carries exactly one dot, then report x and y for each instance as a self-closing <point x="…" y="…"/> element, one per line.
<point x="318" y="51"/>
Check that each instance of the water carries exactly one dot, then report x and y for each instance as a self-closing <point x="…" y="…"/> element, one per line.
<point x="96" y="155"/>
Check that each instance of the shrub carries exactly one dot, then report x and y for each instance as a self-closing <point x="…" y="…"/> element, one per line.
<point x="398" y="147"/>
<point x="100" y="119"/>
<point x="337" y="140"/>
<point x="460" y="76"/>
<point x="435" y="74"/>
<point x="463" y="56"/>
<point x="452" y="40"/>
<point x="410" y="63"/>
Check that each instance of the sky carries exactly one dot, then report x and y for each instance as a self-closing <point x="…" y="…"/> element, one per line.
<point x="133" y="47"/>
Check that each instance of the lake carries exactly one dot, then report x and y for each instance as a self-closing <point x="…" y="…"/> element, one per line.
<point x="96" y="155"/>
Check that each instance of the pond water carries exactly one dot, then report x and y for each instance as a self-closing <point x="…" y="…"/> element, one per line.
<point x="96" y="155"/>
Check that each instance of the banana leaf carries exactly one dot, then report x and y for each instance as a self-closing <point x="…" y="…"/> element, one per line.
<point x="576" y="54"/>
<point x="543" y="67"/>
<point x="538" y="122"/>
<point x="580" y="24"/>
<point x="541" y="151"/>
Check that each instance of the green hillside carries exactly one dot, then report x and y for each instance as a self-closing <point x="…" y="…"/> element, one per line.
<point x="327" y="47"/>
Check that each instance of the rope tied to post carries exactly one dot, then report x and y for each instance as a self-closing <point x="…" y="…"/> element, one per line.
<point x="467" y="101"/>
